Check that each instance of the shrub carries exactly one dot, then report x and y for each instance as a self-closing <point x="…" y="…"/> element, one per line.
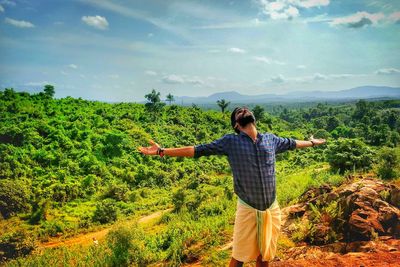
<point x="128" y="246"/>
<point x="119" y="192"/>
<point x="15" y="244"/>
<point x="388" y="167"/>
<point x="14" y="197"/>
<point x="349" y="154"/>
<point x="106" y="211"/>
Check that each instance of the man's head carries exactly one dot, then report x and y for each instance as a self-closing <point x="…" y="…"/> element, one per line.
<point x="241" y="117"/>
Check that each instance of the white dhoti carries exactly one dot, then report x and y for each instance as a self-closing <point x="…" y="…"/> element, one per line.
<point x="256" y="232"/>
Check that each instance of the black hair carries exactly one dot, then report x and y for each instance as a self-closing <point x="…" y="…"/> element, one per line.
<point x="233" y="118"/>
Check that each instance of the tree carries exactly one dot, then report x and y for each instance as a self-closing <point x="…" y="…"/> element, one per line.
<point x="361" y="110"/>
<point x="388" y="167"/>
<point x="223" y="104"/>
<point x="154" y="104"/>
<point x="49" y="90"/>
<point x="349" y="154"/>
<point x="332" y="123"/>
<point x="170" y="98"/>
<point x="258" y="112"/>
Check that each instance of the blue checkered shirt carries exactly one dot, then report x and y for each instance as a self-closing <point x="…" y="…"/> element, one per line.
<point x="252" y="164"/>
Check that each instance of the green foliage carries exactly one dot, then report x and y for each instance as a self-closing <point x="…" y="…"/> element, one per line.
<point x="324" y="224"/>
<point x="258" y="112"/>
<point x="389" y="163"/>
<point x="170" y="98"/>
<point x="119" y="192"/>
<point x="14" y="197"/>
<point x="80" y="162"/>
<point x="349" y="154"/>
<point x="15" y="244"/>
<point x="127" y="246"/>
<point x="106" y="211"/>
<point x="223" y="104"/>
<point x="49" y="90"/>
<point x="154" y="105"/>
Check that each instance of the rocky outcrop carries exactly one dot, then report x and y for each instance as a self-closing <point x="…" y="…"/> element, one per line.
<point x="364" y="209"/>
<point x="385" y="251"/>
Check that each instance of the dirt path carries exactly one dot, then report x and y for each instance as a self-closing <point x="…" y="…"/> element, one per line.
<point x="87" y="239"/>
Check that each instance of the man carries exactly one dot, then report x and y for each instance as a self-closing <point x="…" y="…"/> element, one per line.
<point x="251" y="156"/>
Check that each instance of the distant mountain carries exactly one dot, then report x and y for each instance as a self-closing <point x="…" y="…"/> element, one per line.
<point x="362" y="92"/>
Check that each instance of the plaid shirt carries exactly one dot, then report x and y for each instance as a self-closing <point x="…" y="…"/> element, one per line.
<point x="252" y="164"/>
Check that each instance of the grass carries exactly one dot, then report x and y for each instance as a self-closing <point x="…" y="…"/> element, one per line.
<point x="190" y="235"/>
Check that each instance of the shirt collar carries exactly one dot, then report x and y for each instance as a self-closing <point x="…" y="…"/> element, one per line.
<point x="245" y="134"/>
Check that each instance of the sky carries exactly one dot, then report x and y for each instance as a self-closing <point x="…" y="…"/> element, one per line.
<point x="112" y="50"/>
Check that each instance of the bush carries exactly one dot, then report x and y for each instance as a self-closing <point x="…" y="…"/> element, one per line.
<point x="14" y="197"/>
<point x="128" y="246"/>
<point x="16" y="244"/>
<point x="119" y="192"/>
<point x="349" y="154"/>
<point x="106" y="211"/>
<point x="388" y="167"/>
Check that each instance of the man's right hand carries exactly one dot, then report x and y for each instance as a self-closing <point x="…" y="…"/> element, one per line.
<point x="150" y="150"/>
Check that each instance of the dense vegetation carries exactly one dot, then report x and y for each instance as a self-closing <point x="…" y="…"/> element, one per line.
<point x="68" y="165"/>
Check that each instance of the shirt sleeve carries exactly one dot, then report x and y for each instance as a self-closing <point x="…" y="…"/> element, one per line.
<point x="217" y="147"/>
<point x="283" y="144"/>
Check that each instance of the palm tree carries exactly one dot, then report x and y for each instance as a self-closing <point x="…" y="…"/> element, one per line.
<point x="223" y="104"/>
<point x="170" y="98"/>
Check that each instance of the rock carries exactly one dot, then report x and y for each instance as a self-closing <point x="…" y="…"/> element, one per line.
<point x="394" y="195"/>
<point x="365" y="212"/>
<point x="363" y="223"/>
<point x="296" y="211"/>
<point x="315" y="192"/>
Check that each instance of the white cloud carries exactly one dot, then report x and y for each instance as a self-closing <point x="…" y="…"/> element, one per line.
<point x="173" y="79"/>
<point x="288" y="9"/>
<point x="64" y="73"/>
<point x="312" y="3"/>
<point x="318" y="76"/>
<point x="97" y="22"/>
<point x="387" y="71"/>
<point x="395" y="17"/>
<point x="358" y="20"/>
<point x="236" y="50"/>
<point x="268" y="60"/>
<point x="151" y="73"/>
<point x="73" y="66"/>
<point x="195" y="81"/>
<point x="278" y="79"/>
<point x="183" y="79"/>
<point x="19" y="23"/>
<point x="139" y="14"/>
<point x="8" y="3"/>
<point x="150" y="35"/>
<point x="38" y="83"/>
<point x="301" y="67"/>
<point x="114" y="76"/>
<point x="1" y="8"/>
<point x="313" y="78"/>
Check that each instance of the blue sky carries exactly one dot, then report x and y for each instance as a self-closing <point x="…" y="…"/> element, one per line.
<point x="113" y="50"/>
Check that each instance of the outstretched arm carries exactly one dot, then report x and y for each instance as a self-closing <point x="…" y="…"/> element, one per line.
<point x="187" y="151"/>
<point x="311" y="142"/>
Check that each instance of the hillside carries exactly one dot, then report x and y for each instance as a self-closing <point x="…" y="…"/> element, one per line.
<point x="362" y="92"/>
<point x="70" y="166"/>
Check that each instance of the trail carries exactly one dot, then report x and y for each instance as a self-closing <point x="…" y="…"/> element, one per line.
<point x="87" y="239"/>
